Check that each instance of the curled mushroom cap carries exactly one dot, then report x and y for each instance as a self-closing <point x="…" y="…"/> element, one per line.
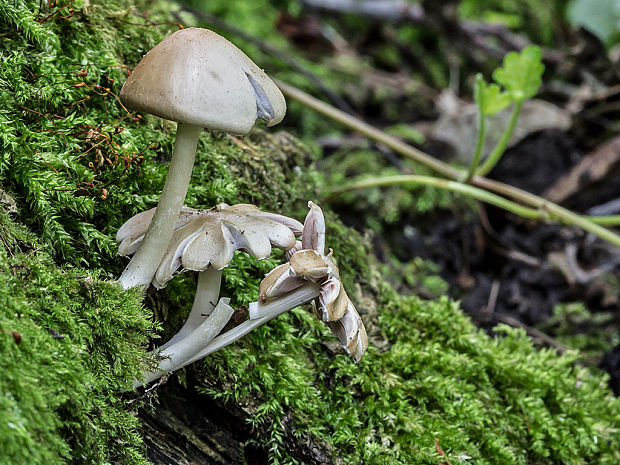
<point x="204" y="238"/>
<point x="308" y="262"/>
<point x="196" y="76"/>
<point x="351" y="332"/>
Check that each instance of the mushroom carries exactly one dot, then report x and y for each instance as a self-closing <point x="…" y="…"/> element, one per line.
<point x="308" y="263"/>
<point x="199" y="79"/>
<point x="280" y="291"/>
<point x="205" y="241"/>
<point x="176" y="355"/>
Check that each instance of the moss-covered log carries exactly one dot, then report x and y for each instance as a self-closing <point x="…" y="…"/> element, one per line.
<point x="74" y="164"/>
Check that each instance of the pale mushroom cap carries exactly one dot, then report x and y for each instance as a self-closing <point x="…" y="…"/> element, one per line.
<point x="196" y="76"/>
<point x="204" y="238"/>
<point x="309" y="264"/>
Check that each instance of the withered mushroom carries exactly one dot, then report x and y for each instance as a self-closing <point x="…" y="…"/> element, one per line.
<point x="308" y="263"/>
<point x="282" y="290"/>
<point x="199" y="79"/>
<point x="202" y="346"/>
<point x="205" y="241"/>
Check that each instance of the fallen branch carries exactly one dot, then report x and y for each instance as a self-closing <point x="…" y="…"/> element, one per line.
<point x="591" y="169"/>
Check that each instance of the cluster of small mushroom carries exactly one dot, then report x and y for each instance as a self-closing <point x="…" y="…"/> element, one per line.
<point x="199" y="79"/>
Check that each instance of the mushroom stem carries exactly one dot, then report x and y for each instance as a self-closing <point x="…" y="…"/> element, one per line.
<point x="142" y="267"/>
<point x="207" y="292"/>
<point x="197" y="345"/>
<point x="269" y="311"/>
<point x="176" y="355"/>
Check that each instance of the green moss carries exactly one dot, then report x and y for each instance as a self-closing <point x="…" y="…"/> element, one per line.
<point x="592" y="333"/>
<point x="418" y="276"/>
<point x="488" y="400"/>
<point x="80" y="343"/>
<point x="76" y="176"/>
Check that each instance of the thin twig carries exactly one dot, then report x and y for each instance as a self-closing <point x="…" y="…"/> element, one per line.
<point x="493" y="294"/>
<point x="369" y="131"/>
<point x="503" y="247"/>
<point x="441" y="452"/>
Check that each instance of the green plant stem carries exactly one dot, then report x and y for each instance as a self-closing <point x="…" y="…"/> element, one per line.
<point x="455" y="186"/>
<point x="500" y="148"/>
<point x="545" y="210"/>
<point x="479" y="145"/>
<point x="442" y="168"/>
<point x="611" y="220"/>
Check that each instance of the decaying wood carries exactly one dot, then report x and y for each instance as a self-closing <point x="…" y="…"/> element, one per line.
<point x="189" y="429"/>
<point x="184" y="427"/>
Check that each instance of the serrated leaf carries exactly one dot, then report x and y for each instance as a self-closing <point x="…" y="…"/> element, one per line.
<point x="489" y="97"/>
<point x="521" y="73"/>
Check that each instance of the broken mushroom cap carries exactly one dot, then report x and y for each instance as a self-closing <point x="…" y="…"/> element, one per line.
<point x="204" y="238"/>
<point x="197" y="77"/>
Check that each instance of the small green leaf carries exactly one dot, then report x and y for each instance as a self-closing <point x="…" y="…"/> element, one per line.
<point x="489" y="97"/>
<point x="522" y="73"/>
